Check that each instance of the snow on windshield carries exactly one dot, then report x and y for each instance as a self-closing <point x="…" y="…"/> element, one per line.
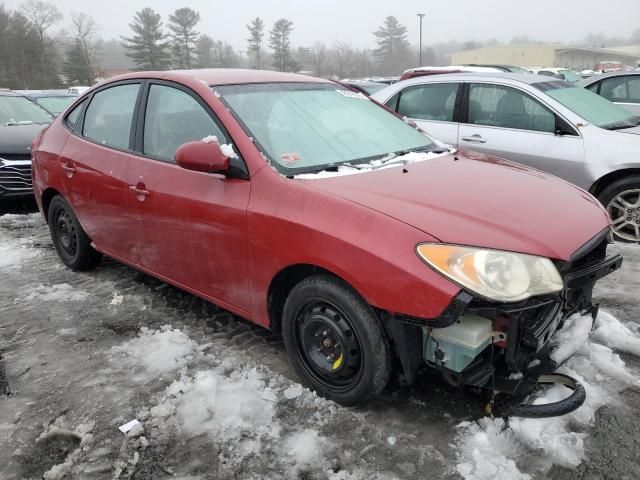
<point x="391" y="160"/>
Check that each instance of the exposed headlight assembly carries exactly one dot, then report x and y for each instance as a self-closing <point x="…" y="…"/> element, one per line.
<point x="493" y="274"/>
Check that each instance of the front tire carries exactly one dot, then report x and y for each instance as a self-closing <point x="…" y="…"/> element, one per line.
<point x="70" y="240"/>
<point x="622" y="201"/>
<point x="335" y="341"/>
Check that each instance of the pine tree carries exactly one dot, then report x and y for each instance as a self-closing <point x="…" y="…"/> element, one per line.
<point x="75" y="68"/>
<point x="256" y="35"/>
<point x="393" y="52"/>
<point x="280" y="43"/>
<point x="147" y="47"/>
<point x="184" y="35"/>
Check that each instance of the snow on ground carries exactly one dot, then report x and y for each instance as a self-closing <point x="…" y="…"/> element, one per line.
<point x="235" y="406"/>
<point x="492" y="449"/>
<point x="217" y="400"/>
<point x="59" y="292"/>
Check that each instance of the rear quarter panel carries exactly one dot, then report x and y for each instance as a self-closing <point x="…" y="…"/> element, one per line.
<point x="45" y="166"/>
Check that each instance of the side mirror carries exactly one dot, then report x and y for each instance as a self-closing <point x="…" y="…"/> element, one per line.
<point x="202" y="157"/>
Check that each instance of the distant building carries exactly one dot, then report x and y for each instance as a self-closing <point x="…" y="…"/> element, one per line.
<point x="564" y="56"/>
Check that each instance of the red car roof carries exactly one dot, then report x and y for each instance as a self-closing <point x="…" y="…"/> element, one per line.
<point x="225" y="76"/>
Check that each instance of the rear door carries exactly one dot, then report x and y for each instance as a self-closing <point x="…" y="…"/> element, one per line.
<point x="508" y="122"/>
<point x="191" y="225"/>
<point x="432" y="107"/>
<point x="94" y="163"/>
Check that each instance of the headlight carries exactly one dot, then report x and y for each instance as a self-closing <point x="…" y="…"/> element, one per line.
<point x="493" y="274"/>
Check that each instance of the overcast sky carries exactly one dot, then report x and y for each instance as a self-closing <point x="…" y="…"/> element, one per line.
<point x="353" y="21"/>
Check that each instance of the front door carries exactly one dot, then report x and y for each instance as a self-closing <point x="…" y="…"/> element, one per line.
<point x="509" y="123"/>
<point x="192" y="224"/>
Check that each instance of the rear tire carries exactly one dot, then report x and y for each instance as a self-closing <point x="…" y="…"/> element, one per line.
<point x="70" y="240"/>
<point x="335" y="341"/>
<point x="622" y="201"/>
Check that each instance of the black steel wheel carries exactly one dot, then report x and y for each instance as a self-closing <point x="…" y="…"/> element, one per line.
<point x="71" y="242"/>
<point x="335" y="341"/>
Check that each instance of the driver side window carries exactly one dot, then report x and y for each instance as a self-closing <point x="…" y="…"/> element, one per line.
<point x="174" y="117"/>
<point x="505" y="107"/>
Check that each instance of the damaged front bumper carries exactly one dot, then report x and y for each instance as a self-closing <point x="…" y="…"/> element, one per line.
<point x="503" y="347"/>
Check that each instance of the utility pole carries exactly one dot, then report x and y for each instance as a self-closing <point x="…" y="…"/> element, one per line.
<point x="421" y="16"/>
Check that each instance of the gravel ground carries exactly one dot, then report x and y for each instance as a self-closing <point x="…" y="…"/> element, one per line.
<point x="83" y="353"/>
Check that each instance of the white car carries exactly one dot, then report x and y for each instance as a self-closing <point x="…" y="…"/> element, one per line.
<point x="77" y="90"/>
<point x="561" y="73"/>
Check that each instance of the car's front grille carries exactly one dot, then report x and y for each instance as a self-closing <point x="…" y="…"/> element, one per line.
<point x="16" y="156"/>
<point x="15" y="178"/>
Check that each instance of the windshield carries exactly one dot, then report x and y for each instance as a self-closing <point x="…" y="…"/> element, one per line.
<point x="21" y="111"/>
<point x="55" y="104"/>
<point x="593" y="108"/>
<point x="304" y="127"/>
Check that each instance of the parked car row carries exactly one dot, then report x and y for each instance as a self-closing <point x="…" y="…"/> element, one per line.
<point x="309" y="209"/>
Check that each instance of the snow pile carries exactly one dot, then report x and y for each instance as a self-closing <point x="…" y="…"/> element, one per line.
<point x="304" y="448"/>
<point x="82" y="432"/>
<point x="486" y="448"/>
<point x="610" y="331"/>
<point x="62" y="292"/>
<point x="490" y="449"/>
<point x="13" y="255"/>
<point x="573" y="335"/>
<point x="160" y="351"/>
<point x="227" y="408"/>
<point x="390" y="161"/>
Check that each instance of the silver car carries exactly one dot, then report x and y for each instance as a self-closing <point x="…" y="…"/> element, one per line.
<point x="622" y="88"/>
<point x="543" y="122"/>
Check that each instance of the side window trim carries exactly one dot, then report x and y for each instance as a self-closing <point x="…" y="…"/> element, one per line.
<point x="80" y="126"/>
<point x="237" y="165"/>
<point x="84" y="102"/>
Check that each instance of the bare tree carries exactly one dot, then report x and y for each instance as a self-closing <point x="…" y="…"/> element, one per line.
<point x="343" y="58"/>
<point x="43" y="17"/>
<point x="84" y="30"/>
<point x="319" y="57"/>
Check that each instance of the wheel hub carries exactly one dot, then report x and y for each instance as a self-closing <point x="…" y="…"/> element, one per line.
<point x="328" y="344"/>
<point x="624" y="210"/>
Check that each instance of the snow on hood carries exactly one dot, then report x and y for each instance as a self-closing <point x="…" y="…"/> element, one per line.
<point x="391" y="160"/>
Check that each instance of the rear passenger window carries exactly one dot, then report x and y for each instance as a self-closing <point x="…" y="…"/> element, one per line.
<point x="109" y="115"/>
<point x="505" y="107"/>
<point x="174" y="117"/>
<point x="429" y="102"/>
<point x="615" y="89"/>
<point x="72" y="119"/>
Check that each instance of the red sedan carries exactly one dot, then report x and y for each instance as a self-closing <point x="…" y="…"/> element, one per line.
<point x="307" y="208"/>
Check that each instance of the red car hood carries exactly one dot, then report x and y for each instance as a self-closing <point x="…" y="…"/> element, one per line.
<point x="473" y="199"/>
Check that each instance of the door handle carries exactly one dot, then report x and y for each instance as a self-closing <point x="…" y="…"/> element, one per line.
<point x="140" y="191"/>
<point x="69" y="168"/>
<point x="474" y="139"/>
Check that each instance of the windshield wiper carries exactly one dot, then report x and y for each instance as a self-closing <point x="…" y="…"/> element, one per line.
<point x="635" y="121"/>
<point x="397" y="156"/>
